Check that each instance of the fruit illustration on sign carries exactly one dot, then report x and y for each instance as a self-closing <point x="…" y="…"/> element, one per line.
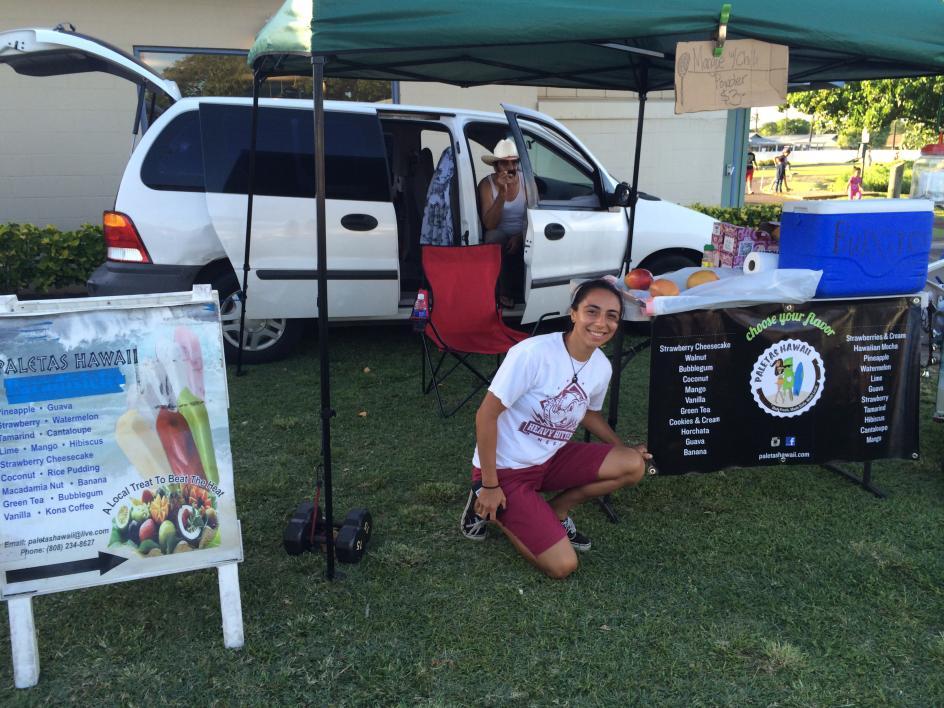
<point x="170" y="518"/>
<point x="700" y="277"/>
<point x="638" y="279"/>
<point x="663" y="286"/>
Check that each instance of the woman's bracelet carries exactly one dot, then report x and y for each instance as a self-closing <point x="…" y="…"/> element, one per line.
<point x="485" y="486"/>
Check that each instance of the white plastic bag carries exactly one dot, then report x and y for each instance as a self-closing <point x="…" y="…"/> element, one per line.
<point x="732" y="289"/>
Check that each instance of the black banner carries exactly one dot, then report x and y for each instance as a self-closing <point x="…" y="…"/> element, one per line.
<point x="796" y="384"/>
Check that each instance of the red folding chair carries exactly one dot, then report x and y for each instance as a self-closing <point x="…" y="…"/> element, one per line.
<point x="464" y="316"/>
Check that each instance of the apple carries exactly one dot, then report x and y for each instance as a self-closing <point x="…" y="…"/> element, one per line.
<point x="638" y="279"/>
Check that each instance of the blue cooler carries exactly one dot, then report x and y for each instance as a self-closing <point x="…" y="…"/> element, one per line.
<point x="863" y="247"/>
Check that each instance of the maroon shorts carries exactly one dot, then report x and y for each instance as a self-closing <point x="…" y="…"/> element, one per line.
<point x="527" y="515"/>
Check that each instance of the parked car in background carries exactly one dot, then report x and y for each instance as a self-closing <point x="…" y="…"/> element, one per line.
<point x="179" y="217"/>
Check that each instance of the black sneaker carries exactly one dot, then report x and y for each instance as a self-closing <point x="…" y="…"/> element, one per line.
<point x="473" y="526"/>
<point x="577" y="539"/>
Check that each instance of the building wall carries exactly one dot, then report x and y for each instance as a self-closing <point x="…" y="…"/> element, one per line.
<point x="64" y="141"/>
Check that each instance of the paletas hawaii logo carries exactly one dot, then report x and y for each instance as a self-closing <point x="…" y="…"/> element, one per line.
<point x="787" y="379"/>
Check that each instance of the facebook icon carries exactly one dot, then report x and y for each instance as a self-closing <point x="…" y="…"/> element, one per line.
<point x="790" y="441"/>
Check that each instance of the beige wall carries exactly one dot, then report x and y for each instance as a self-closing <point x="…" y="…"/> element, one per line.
<point x="64" y="141"/>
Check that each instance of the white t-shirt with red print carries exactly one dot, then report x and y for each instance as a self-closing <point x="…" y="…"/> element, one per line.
<point x="544" y="406"/>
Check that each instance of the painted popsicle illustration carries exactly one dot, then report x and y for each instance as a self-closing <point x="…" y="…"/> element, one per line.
<point x="194" y="411"/>
<point x="137" y="438"/>
<point x="174" y="433"/>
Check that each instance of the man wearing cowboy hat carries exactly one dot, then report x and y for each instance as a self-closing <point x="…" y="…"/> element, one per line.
<point x="504" y="210"/>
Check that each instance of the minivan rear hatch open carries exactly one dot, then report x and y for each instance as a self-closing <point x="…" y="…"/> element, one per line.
<point x="54" y="52"/>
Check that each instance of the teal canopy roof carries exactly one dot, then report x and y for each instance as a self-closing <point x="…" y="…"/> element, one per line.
<point x="594" y="43"/>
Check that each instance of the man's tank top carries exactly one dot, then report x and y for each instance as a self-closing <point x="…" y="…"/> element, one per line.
<point x="513" y="213"/>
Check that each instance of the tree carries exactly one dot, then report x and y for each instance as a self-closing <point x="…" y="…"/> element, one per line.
<point x="229" y="75"/>
<point x="785" y="126"/>
<point x="875" y="104"/>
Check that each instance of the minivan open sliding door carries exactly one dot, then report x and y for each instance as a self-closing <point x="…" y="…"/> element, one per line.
<point x="362" y="263"/>
<point x="571" y="234"/>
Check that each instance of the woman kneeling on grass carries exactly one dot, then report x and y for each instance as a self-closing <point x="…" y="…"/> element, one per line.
<point x="544" y="389"/>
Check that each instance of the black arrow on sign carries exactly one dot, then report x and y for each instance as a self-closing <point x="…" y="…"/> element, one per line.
<point x="104" y="563"/>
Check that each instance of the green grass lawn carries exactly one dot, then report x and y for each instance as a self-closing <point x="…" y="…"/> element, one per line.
<point x="763" y="586"/>
<point x="802" y="179"/>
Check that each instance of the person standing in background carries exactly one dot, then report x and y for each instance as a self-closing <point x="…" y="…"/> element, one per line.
<point x="855" y="184"/>
<point x="781" y="162"/>
<point x="749" y="172"/>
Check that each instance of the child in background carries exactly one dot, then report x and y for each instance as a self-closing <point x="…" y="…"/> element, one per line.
<point x="780" y="173"/>
<point x="855" y="184"/>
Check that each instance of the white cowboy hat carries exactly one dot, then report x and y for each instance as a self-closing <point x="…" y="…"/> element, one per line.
<point x="504" y="150"/>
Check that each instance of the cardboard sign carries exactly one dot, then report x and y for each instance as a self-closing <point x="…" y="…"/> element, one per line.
<point x="748" y="73"/>
<point x="771" y="384"/>
<point x="115" y="461"/>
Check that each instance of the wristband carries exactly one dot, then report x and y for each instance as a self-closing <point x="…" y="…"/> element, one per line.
<point x="485" y="486"/>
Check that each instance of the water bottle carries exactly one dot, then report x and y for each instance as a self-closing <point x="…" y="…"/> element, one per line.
<point x="420" y="314"/>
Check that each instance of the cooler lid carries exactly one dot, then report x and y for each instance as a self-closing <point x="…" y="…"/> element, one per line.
<point x="858" y="206"/>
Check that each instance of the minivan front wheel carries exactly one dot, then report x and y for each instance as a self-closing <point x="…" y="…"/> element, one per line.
<point x="264" y="340"/>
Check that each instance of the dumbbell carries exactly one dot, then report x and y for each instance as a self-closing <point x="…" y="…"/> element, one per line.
<point x="350" y="537"/>
<point x="350" y="543"/>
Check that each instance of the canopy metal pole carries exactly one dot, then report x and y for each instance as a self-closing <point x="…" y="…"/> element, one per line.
<point x="326" y="412"/>
<point x="250" y="188"/>
<point x="627" y="260"/>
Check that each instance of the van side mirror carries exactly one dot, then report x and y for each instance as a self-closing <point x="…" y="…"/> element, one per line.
<point x="622" y="195"/>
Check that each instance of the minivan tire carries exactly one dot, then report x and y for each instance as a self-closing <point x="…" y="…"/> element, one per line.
<point x="667" y="262"/>
<point x="263" y="340"/>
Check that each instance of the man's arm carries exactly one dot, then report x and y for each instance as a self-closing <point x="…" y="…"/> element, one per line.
<point x="491" y="206"/>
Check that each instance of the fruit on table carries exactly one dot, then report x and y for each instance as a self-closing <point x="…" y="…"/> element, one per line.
<point x="663" y="286"/>
<point x="638" y="279"/>
<point x="177" y="440"/>
<point x="700" y="277"/>
<point x="195" y="411"/>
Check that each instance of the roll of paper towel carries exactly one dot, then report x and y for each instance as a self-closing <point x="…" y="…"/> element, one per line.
<point x="757" y="262"/>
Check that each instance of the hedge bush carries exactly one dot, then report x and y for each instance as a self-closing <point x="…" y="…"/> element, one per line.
<point x="39" y="259"/>
<point x="752" y="215"/>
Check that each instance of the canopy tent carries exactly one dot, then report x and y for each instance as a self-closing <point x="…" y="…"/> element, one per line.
<point x="594" y="44"/>
<point x="608" y="44"/>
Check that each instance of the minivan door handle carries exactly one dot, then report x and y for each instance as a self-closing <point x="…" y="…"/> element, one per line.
<point x="554" y="232"/>
<point x="359" y="222"/>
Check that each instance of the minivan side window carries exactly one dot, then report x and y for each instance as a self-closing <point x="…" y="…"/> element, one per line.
<point x="175" y="159"/>
<point x="355" y="157"/>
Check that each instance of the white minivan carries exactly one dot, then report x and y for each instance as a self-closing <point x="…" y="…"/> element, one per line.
<point x="180" y="212"/>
